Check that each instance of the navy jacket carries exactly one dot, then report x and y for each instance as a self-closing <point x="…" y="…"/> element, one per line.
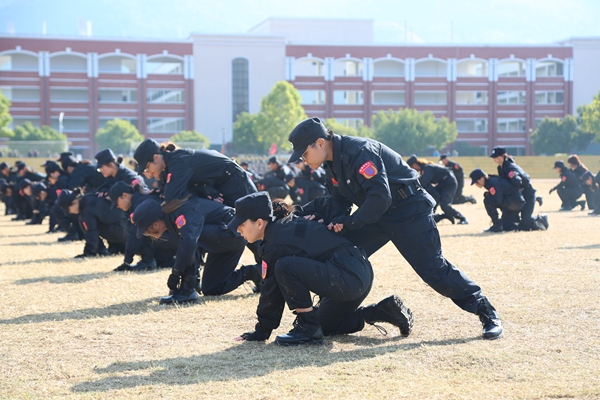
<point x="503" y="195"/>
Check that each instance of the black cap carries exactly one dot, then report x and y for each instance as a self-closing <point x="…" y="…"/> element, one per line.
<point x="3" y="165"/>
<point x="19" y="165"/>
<point x="559" y="164"/>
<point x="143" y="154"/>
<point x="51" y="166"/>
<point x="586" y="175"/>
<point x="498" y="151"/>
<point x="304" y="134"/>
<point x="476" y="174"/>
<point x="243" y="163"/>
<point x="116" y="191"/>
<point x="411" y="160"/>
<point x="273" y="160"/>
<point x="66" y="159"/>
<point x="37" y="188"/>
<point x="65" y="198"/>
<point x="444" y="156"/>
<point x="253" y="206"/>
<point x="23" y="183"/>
<point x="104" y="157"/>
<point x="145" y="215"/>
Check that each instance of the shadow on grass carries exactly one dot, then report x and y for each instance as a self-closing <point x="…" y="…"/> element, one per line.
<point x="244" y="361"/>
<point x="64" y="279"/>
<point x="41" y="260"/>
<point x="32" y="243"/>
<point x="586" y="247"/>
<point x="25" y="235"/>
<point x="131" y="308"/>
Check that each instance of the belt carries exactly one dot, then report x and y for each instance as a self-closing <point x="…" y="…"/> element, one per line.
<point x="406" y="191"/>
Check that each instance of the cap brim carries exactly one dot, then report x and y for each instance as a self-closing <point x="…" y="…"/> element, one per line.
<point x="140" y="169"/>
<point x="113" y="204"/>
<point x="235" y="222"/>
<point x="473" y="182"/>
<point x="140" y="232"/>
<point x="296" y="155"/>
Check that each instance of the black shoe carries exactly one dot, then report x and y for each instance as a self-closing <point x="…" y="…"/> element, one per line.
<point x="539" y="200"/>
<point x="122" y="268"/>
<point x="307" y="330"/>
<point x="462" y="221"/>
<point x="492" y="325"/>
<point x="185" y="294"/>
<point x="495" y="228"/>
<point x="471" y="200"/>
<point x="70" y="237"/>
<point x="581" y="204"/>
<point x="565" y="209"/>
<point x="439" y="217"/>
<point x="390" y="310"/>
<point x="142" y="266"/>
<point x="19" y="217"/>
<point x="252" y="273"/>
<point x="543" y="220"/>
<point x="594" y="213"/>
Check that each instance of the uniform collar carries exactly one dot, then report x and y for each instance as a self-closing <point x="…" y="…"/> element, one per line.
<point x="337" y="153"/>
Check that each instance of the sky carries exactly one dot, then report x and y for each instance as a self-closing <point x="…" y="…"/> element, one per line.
<point x="429" y="21"/>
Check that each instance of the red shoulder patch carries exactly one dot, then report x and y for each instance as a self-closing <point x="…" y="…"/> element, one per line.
<point x="334" y="181"/>
<point x="84" y="225"/>
<point x="511" y="174"/>
<point x="131" y="218"/>
<point x="368" y="170"/>
<point x="180" y="221"/>
<point x="168" y="177"/>
<point x="58" y="192"/>
<point x="492" y="190"/>
<point x="564" y="178"/>
<point x="135" y="182"/>
<point x="265" y="267"/>
<point x="456" y="166"/>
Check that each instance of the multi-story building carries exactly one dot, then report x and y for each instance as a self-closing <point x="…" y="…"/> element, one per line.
<point x="496" y="94"/>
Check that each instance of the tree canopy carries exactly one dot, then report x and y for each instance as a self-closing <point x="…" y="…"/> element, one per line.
<point x="341" y="129"/>
<point x="191" y="137"/>
<point x="555" y="136"/>
<point x="118" y="135"/>
<point x="589" y="116"/>
<point x="29" y="132"/>
<point x="5" y="117"/>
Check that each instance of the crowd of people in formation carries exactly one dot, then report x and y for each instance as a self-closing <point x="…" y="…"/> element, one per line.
<point x="195" y="211"/>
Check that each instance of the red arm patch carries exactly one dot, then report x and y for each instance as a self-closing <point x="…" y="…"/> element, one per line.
<point x="511" y="174"/>
<point x="456" y="166"/>
<point x="368" y="170"/>
<point x="492" y="190"/>
<point x="265" y="267"/>
<point x="180" y="221"/>
<point x="564" y="178"/>
<point x="131" y="218"/>
<point x="84" y="225"/>
<point x="334" y="181"/>
<point x="58" y="192"/>
<point x="168" y="177"/>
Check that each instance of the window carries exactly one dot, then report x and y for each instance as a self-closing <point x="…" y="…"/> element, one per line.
<point x="68" y="94"/>
<point x="16" y="94"/>
<point x="512" y="97"/>
<point x="309" y="68"/>
<point x="18" y="62"/>
<point x="381" y="97"/>
<point x="117" y="95"/>
<point x="511" y="68"/>
<point x="68" y="63"/>
<point x="103" y="120"/>
<point x="312" y="96"/>
<point x="430" y="68"/>
<point x="165" y="96"/>
<point x="430" y="98"/>
<point x="350" y="122"/>
<point x="174" y="125"/>
<point x="511" y="124"/>
<point x="471" y="69"/>
<point x="471" y="98"/>
<point x="240" y="87"/>
<point x="348" y="97"/>
<point x="388" y="68"/>
<point x="71" y="124"/>
<point x="117" y="65"/>
<point x="549" y="97"/>
<point x="549" y="68"/>
<point x="20" y="120"/>
<point x="515" y="150"/>
<point x="464" y="125"/>
<point x="164" y="66"/>
<point x="348" y="68"/>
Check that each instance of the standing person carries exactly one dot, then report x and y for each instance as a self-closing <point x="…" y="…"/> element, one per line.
<point x="197" y="223"/>
<point x="459" y="174"/>
<point x="516" y="176"/>
<point x="568" y="189"/>
<point x="205" y="173"/>
<point x="444" y="189"/>
<point x="506" y="197"/>
<point x="392" y="205"/>
<point x="300" y="257"/>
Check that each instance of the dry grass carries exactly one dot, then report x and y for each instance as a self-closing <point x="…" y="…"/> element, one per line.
<point x="74" y="329"/>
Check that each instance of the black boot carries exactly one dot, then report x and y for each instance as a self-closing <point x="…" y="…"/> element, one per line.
<point x="495" y="228"/>
<point x="492" y="325"/>
<point x="185" y="294"/>
<point x="581" y="203"/>
<point x="462" y="220"/>
<point x="390" y="310"/>
<point x="144" y="266"/>
<point x="252" y="273"/>
<point x="539" y="200"/>
<point x="541" y="222"/>
<point x="307" y="330"/>
<point x="439" y="217"/>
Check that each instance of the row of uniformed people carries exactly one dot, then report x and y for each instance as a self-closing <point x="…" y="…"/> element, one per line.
<point x="575" y="181"/>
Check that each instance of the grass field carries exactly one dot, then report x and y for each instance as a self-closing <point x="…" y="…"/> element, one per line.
<point x="71" y="328"/>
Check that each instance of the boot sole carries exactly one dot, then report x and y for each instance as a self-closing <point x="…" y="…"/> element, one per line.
<point x="288" y="344"/>
<point x="407" y="322"/>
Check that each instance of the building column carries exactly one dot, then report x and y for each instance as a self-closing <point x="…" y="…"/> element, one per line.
<point x="409" y="74"/>
<point x="188" y="76"/>
<point x="329" y="77"/>
<point x="92" y="73"/>
<point x="141" y="104"/>
<point x="44" y="73"/>
<point x="367" y="98"/>
<point x="290" y="70"/>
<point x="451" y="94"/>
<point x="529" y="102"/>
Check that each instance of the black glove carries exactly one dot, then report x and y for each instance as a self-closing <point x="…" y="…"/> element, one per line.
<point x="256" y="336"/>
<point x="174" y="279"/>
<point x="552" y="190"/>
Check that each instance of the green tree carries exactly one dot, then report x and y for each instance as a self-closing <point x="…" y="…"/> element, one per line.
<point x="589" y="116"/>
<point x="118" y="135"/>
<point x="555" y="136"/>
<point x="244" y="135"/>
<point x="341" y="129"/>
<point x="280" y="112"/>
<point x="29" y="132"/>
<point x="5" y="117"/>
<point x="408" y="131"/>
<point x="191" y="137"/>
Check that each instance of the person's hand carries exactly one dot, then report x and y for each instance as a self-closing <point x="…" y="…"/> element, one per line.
<point x="335" y="227"/>
<point x="174" y="279"/>
<point x="256" y="336"/>
<point x="291" y="183"/>
<point x="312" y="217"/>
<point x="218" y="199"/>
<point x="551" y="190"/>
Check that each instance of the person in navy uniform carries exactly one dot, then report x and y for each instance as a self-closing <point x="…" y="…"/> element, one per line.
<point x="40" y="204"/>
<point x="82" y="174"/>
<point x="56" y="181"/>
<point x="205" y="173"/>
<point x="440" y="183"/>
<point x="198" y="224"/>
<point x="22" y="202"/>
<point x="459" y="197"/>
<point x="569" y="189"/>
<point x="579" y="169"/>
<point x="8" y="178"/>
<point x="592" y="192"/>
<point x="509" y="199"/>
<point x="392" y="205"/>
<point x="299" y="257"/>
<point x="516" y="176"/>
<point x="112" y="169"/>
